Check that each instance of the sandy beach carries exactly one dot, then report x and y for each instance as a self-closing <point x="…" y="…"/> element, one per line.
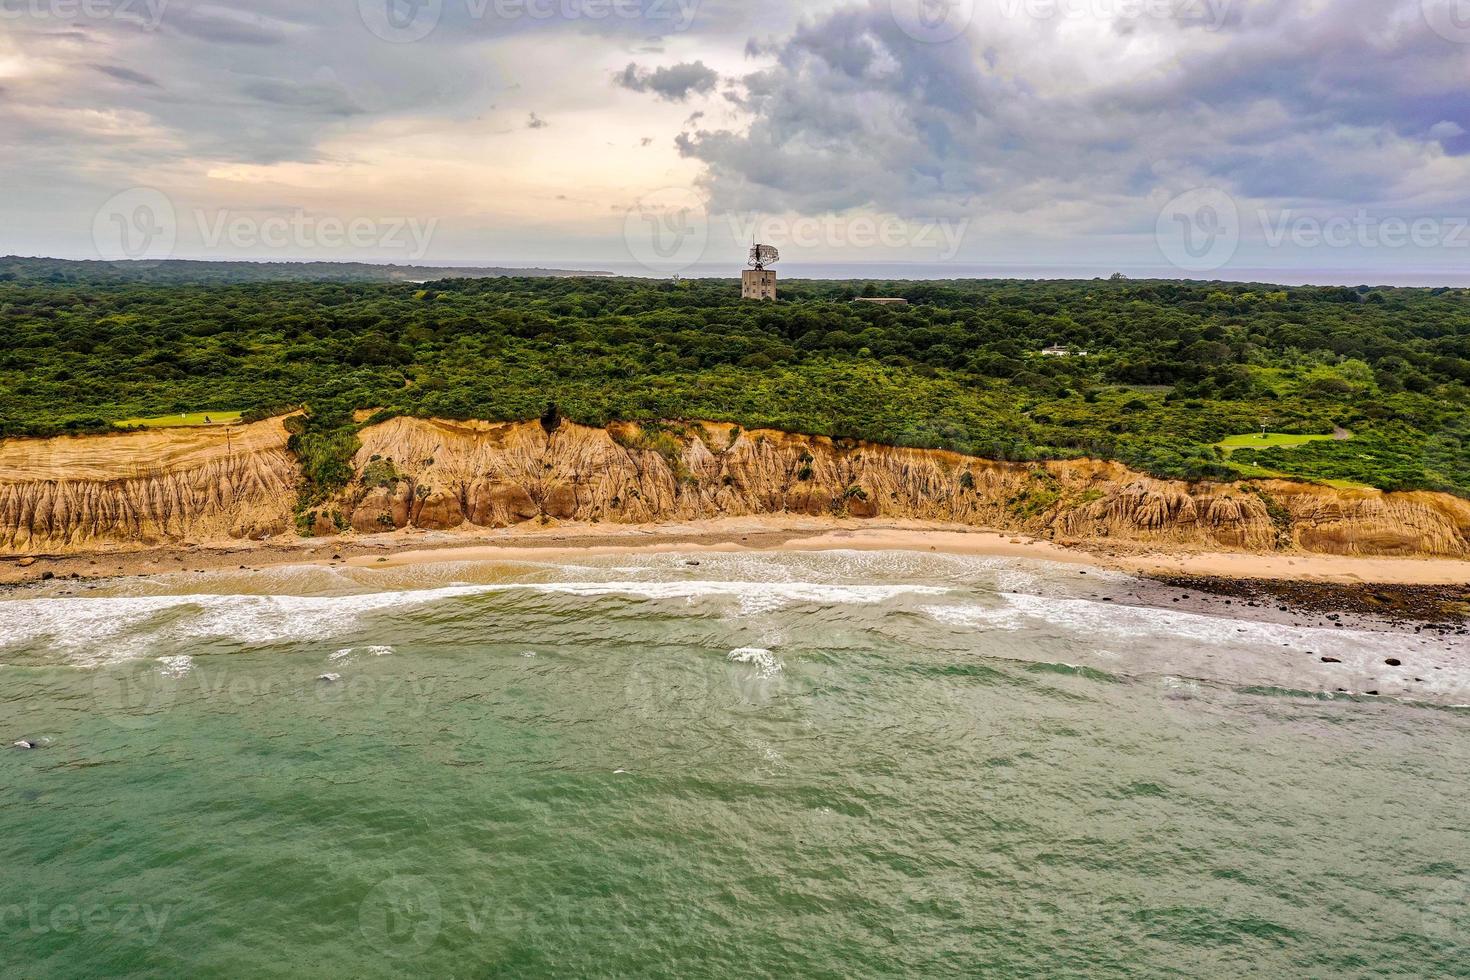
<point x="555" y="540"/>
<point x="796" y="536"/>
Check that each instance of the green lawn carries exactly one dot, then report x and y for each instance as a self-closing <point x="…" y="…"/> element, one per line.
<point x="178" y="421"/>
<point x="1278" y="440"/>
<point x="1271" y="440"/>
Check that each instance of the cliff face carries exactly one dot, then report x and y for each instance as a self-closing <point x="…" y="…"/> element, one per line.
<point x="205" y="485"/>
<point x="143" y="488"/>
<point x="439" y="475"/>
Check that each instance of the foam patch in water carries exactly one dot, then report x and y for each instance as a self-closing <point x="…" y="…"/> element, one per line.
<point x="349" y="653"/>
<point x="175" y="666"/>
<point x="763" y="659"/>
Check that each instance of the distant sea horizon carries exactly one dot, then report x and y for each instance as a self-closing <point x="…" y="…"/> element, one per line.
<point x="916" y="271"/>
<point x="921" y="271"/>
<point x="940" y="270"/>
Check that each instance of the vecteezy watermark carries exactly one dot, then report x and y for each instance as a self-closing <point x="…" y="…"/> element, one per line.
<point x="300" y="232"/>
<point x="932" y="21"/>
<point x="1208" y="14"/>
<point x="940" y="236"/>
<point x="142" y="223"/>
<point x="1446" y="913"/>
<point x="1362" y="230"/>
<point x="134" y="695"/>
<point x="135" y="922"/>
<point x="669" y="689"/>
<point x="137" y="224"/>
<point x="401" y="916"/>
<point x="401" y="21"/>
<point x="404" y="917"/>
<point x="1450" y="19"/>
<point x="147" y="14"/>
<point x="137" y="694"/>
<point x="406" y="21"/>
<point x="1199" y="230"/>
<point x="667" y="230"/>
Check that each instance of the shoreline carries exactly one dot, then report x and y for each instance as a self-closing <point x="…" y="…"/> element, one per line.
<point x="765" y="533"/>
<point x="1323" y="596"/>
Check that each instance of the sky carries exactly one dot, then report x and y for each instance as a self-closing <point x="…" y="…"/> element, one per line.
<point x="1198" y="138"/>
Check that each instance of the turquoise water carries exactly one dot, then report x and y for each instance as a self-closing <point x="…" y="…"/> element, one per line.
<point x="828" y="764"/>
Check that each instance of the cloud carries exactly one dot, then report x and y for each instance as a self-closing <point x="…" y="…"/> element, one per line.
<point x="1075" y="125"/>
<point x="1079" y="120"/>
<point x="674" y="83"/>
<point x="219" y="25"/>
<point x="126" y="75"/>
<point x="322" y="98"/>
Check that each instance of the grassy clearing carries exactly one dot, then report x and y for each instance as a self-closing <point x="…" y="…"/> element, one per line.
<point x="180" y="421"/>
<point x="1249" y="470"/>
<point x="1271" y="440"/>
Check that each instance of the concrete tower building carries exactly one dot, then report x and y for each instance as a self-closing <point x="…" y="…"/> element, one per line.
<point x="758" y="282"/>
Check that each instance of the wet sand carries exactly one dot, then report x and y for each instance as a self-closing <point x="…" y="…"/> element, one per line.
<point x="736" y="534"/>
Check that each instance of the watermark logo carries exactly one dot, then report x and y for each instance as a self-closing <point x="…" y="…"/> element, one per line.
<point x="1450" y="19"/>
<point x="933" y="21"/>
<point x="299" y="232"/>
<point x="939" y="236"/>
<point x="1211" y="15"/>
<point x="142" y="224"/>
<point x="139" y="224"/>
<point x="1199" y="230"/>
<point x="133" y="695"/>
<point x="139" y="923"/>
<point x="401" y="916"/>
<point x="147" y="14"/>
<point x="667" y="231"/>
<point x="1363" y="230"/>
<point x="401" y="21"/>
<point x="406" y="21"/>
<point x="676" y="687"/>
<point x="1446" y="914"/>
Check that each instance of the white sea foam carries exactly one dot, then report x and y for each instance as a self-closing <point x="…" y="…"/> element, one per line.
<point x="350" y="653"/>
<point x="95" y="630"/>
<point x="98" y="630"/>
<point x="763" y="659"/>
<point x="1116" y="621"/>
<point x="754" y="597"/>
<point x="1235" y="651"/>
<point x="175" y="666"/>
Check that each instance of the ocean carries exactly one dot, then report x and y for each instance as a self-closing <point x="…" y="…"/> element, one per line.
<point x="836" y="763"/>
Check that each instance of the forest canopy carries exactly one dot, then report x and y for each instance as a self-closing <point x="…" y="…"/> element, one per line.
<point x="1151" y="373"/>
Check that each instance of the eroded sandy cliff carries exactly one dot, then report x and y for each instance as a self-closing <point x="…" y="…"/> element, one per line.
<point x="211" y="485"/>
<point x="138" y="489"/>
<point x="439" y="475"/>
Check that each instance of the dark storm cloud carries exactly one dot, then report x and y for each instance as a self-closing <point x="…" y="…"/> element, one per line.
<point x="126" y="75"/>
<point x="674" y="83"/>
<point x="320" y="98"/>
<point x="220" y="25"/>
<point x="1283" y="100"/>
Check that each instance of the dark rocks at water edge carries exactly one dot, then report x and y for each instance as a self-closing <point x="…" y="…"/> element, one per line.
<point x="1437" y="608"/>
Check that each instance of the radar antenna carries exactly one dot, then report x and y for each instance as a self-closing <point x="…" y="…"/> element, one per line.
<point x="762" y="256"/>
